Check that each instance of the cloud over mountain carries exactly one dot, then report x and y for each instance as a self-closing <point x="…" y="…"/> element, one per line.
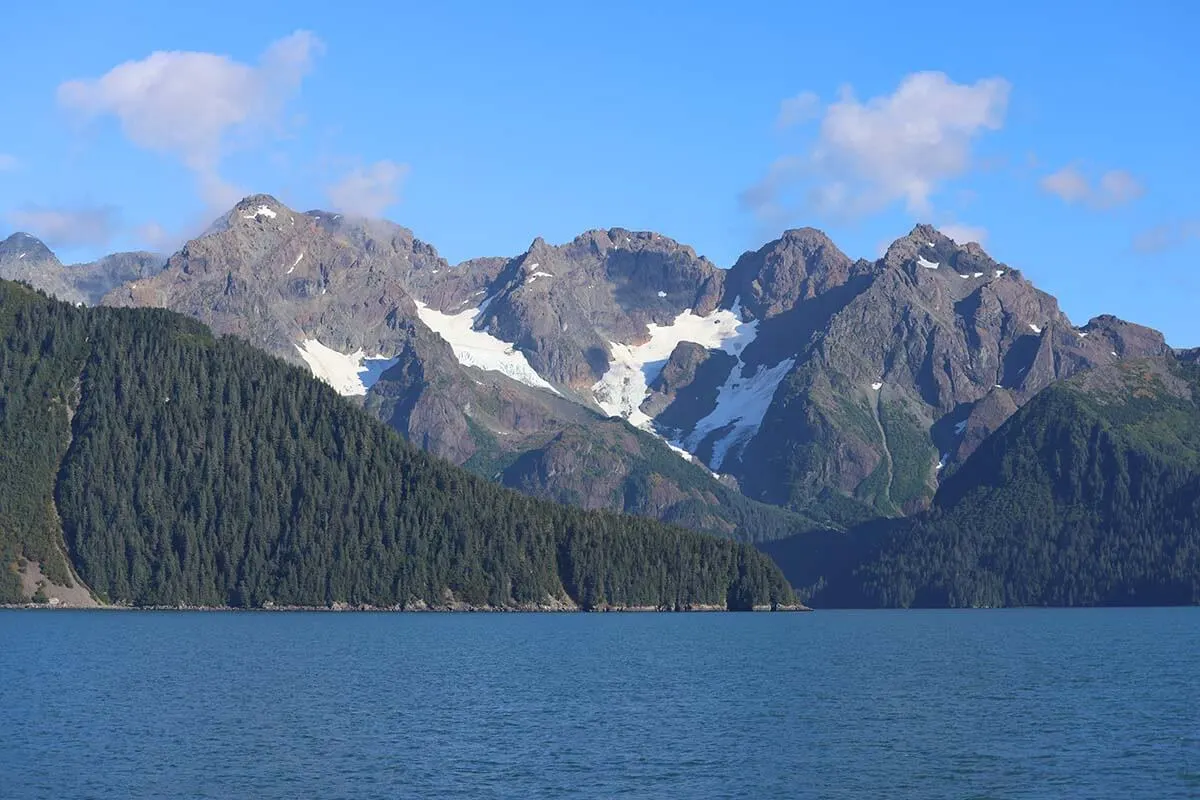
<point x="81" y="226"/>
<point x="189" y="104"/>
<point x="870" y="154"/>
<point x="368" y="191"/>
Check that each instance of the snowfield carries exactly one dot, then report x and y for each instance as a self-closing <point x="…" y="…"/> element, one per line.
<point x="742" y="401"/>
<point x="632" y="368"/>
<point x="480" y="349"/>
<point x="349" y="375"/>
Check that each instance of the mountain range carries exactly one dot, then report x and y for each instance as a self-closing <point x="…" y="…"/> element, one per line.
<point x="145" y="462"/>
<point x="796" y="391"/>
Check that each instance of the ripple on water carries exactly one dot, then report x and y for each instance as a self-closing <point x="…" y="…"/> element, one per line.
<point x="849" y="704"/>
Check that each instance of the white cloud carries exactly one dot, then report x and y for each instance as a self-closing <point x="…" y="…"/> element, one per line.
<point x="84" y="226"/>
<point x="8" y="163"/>
<point x="1114" y="188"/>
<point x="157" y="239"/>
<point x="188" y="104"/>
<point x="797" y="110"/>
<point x="367" y="192"/>
<point x="892" y="148"/>
<point x="1167" y="236"/>
<point x="964" y="233"/>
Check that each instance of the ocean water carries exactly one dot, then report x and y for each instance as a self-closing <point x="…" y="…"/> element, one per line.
<point x="922" y="704"/>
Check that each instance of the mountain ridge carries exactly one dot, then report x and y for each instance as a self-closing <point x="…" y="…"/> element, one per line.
<point x="837" y="389"/>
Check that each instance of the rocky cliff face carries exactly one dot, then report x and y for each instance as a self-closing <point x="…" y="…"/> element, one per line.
<point x="897" y="368"/>
<point x="838" y="388"/>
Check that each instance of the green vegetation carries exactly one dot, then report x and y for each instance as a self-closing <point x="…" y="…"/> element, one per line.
<point x="1090" y="495"/>
<point x="201" y="471"/>
<point x="912" y="453"/>
<point x="37" y="378"/>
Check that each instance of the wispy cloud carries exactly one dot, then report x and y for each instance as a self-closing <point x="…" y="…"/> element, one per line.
<point x="79" y="226"/>
<point x="1167" y="236"/>
<point x="368" y="191"/>
<point x="188" y="104"/>
<point x="964" y="233"/>
<point x="797" y="110"/>
<point x="893" y="148"/>
<point x="1115" y="187"/>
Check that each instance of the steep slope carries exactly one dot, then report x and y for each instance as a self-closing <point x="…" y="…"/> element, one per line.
<point x="1089" y="495"/>
<point x="188" y="469"/>
<point x="25" y="258"/>
<point x="432" y="348"/>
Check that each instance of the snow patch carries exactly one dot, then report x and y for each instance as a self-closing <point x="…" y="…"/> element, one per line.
<point x="294" y="263"/>
<point x="976" y="274"/>
<point x="347" y="374"/>
<point x="1081" y="334"/>
<point x="927" y="264"/>
<point x="742" y="402"/>
<point x="261" y="211"/>
<point x="877" y="385"/>
<point x="21" y="256"/>
<point x="964" y="277"/>
<point x="960" y="427"/>
<point x="474" y="348"/>
<point x="537" y="275"/>
<point x="941" y="465"/>
<point x="624" y="386"/>
<point x="929" y="244"/>
<point x="999" y="273"/>
<point x="662" y="294"/>
<point x="1034" y="328"/>
<point x="686" y="456"/>
<point x="1114" y="354"/>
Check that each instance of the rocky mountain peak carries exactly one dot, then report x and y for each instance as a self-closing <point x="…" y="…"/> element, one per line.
<point x="261" y="205"/>
<point x="811" y="238"/>
<point x="799" y="265"/>
<point x="1126" y="339"/>
<point x="23" y="246"/>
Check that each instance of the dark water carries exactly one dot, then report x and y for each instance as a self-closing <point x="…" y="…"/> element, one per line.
<point x="1094" y="704"/>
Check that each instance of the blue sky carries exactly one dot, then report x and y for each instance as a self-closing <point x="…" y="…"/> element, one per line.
<point x="1063" y="134"/>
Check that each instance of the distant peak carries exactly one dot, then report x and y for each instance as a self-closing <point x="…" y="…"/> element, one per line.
<point x="257" y="200"/>
<point x="21" y="237"/>
<point x="810" y="239"/>
<point x="806" y="233"/>
<point x="259" y="208"/>
<point x="21" y="242"/>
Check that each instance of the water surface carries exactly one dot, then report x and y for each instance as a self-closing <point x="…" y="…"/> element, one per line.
<point x="1037" y="703"/>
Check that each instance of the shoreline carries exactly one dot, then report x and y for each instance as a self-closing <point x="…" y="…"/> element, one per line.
<point x="455" y="609"/>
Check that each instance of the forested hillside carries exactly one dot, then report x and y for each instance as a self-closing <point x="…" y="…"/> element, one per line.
<point x="189" y="469"/>
<point x="1090" y="495"/>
